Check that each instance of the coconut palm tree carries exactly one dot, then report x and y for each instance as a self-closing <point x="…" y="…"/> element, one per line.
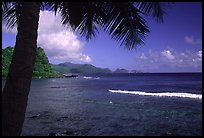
<point x="123" y="21"/>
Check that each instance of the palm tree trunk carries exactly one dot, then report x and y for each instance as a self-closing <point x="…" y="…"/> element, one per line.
<point x="17" y="86"/>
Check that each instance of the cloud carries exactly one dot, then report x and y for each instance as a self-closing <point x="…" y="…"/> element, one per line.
<point x="170" y="59"/>
<point x="199" y="55"/>
<point x="167" y="54"/>
<point x="60" y="43"/>
<point x="191" y="40"/>
<point x="143" y="57"/>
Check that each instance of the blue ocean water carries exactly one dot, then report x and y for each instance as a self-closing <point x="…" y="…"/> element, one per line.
<point x="116" y="105"/>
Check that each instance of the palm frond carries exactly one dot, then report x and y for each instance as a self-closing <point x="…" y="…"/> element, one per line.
<point x="91" y="22"/>
<point x="71" y="13"/>
<point x="82" y="17"/>
<point x="54" y="6"/>
<point x="155" y="9"/>
<point x="124" y="23"/>
<point x="11" y="13"/>
<point x="4" y="5"/>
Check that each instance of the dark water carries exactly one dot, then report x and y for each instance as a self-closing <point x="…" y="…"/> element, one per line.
<point x="84" y="106"/>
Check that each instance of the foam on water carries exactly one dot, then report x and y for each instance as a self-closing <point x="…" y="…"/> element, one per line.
<point x="85" y="77"/>
<point x="170" y="94"/>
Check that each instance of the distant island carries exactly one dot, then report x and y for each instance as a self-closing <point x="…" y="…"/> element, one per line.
<point x="44" y="69"/>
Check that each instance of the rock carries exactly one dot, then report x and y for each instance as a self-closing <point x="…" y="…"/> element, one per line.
<point x="52" y="134"/>
<point x="69" y="132"/>
<point x="65" y="117"/>
<point x="59" y="119"/>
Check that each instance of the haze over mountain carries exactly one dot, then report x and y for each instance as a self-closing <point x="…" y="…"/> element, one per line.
<point x="68" y="67"/>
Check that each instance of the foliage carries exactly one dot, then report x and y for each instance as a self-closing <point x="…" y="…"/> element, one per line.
<point x="6" y="60"/>
<point x="42" y="66"/>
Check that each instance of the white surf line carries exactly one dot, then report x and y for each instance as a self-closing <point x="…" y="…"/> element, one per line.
<point x="85" y="77"/>
<point x="185" y="95"/>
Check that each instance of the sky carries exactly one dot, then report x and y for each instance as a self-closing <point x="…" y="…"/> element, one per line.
<point x="172" y="46"/>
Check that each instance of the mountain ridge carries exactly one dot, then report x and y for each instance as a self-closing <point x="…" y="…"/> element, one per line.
<point x="68" y="67"/>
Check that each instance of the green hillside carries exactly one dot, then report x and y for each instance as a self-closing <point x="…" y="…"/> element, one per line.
<point x="42" y="66"/>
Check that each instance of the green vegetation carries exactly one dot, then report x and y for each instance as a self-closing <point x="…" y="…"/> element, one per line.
<point x="6" y="60"/>
<point x="42" y="66"/>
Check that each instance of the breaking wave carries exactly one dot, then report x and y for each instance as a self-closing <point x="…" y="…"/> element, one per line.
<point x="169" y="94"/>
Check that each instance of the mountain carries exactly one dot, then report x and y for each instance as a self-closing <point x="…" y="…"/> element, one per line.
<point x="121" y="71"/>
<point x="68" y="67"/>
<point x="42" y="66"/>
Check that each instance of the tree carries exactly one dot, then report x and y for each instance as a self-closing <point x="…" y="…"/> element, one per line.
<point x="123" y="21"/>
<point x="42" y="66"/>
<point x="6" y="59"/>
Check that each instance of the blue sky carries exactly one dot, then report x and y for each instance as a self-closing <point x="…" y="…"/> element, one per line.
<point x="173" y="46"/>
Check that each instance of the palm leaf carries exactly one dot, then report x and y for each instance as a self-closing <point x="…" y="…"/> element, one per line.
<point x="154" y="9"/>
<point x="83" y="17"/>
<point x="4" y="5"/>
<point x="52" y="6"/>
<point x="124" y="23"/>
<point x="11" y="13"/>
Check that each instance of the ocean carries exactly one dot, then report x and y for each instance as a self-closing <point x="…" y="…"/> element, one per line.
<point x="143" y="104"/>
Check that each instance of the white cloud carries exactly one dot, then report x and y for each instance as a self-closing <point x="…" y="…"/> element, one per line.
<point x="183" y="54"/>
<point x="191" y="40"/>
<point x="153" y="56"/>
<point x="171" y="59"/>
<point x="59" y="42"/>
<point x="199" y="55"/>
<point x="168" y="54"/>
<point x="143" y="56"/>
